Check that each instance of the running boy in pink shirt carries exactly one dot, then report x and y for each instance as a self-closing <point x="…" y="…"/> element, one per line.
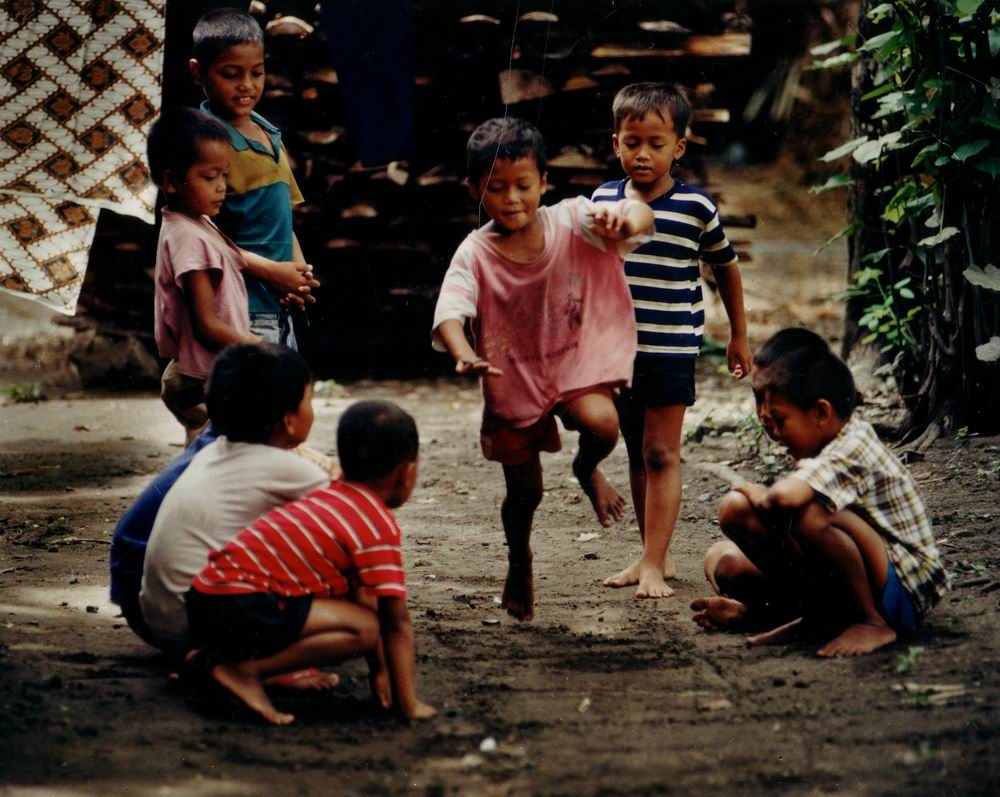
<point x="552" y="325"/>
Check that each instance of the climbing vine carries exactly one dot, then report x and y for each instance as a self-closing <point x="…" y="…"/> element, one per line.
<point x="925" y="198"/>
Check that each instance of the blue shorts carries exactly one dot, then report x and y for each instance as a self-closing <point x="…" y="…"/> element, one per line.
<point x="896" y="605"/>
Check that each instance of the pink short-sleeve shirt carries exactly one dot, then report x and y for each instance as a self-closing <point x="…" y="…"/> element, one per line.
<point x="186" y="244"/>
<point x="554" y="326"/>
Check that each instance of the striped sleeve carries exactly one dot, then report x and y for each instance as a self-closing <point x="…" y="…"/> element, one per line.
<point x="715" y="249"/>
<point x="378" y="558"/>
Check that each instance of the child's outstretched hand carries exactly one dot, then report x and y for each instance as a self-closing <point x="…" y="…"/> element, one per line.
<point x="607" y="221"/>
<point x="477" y="366"/>
<point x="738" y="356"/>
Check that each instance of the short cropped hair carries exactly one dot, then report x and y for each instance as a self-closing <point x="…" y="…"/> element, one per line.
<point x="787" y="340"/>
<point x="252" y="386"/>
<point x="373" y="437"/>
<point x="507" y="138"/>
<point x="804" y="376"/>
<point x="666" y="99"/>
<point x="174" y="138"/>
<point x="220" y="29"/>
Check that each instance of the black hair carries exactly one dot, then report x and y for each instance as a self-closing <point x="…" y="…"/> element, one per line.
<point x="252" y="386"/>
<point x="786" y="340"/>
<point x="804" y="376"/>
<point x="666" y="99"/>
<point x="174" y="138"/>
<point x="503" y="139"/>
<point x="220" y="29"/>
<point x="373" y="437"/>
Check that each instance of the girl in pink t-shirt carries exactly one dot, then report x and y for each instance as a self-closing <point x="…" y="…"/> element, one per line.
<point x="553" y="327"/>
<point x="200" y="297"/>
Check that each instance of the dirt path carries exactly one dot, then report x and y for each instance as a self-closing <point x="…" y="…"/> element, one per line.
<point x="600" y="695"/>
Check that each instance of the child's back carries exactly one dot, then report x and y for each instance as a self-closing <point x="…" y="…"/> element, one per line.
<point x="226" y="487"/>
<point x="259" y="399"/>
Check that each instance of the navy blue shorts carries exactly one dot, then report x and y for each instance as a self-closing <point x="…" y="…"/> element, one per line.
<point x="665" y="382"/>
<point x="896" y="605"/>
<point x="249" y="626"/>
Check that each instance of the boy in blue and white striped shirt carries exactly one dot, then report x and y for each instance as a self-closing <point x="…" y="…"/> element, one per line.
<point x="650" y="121"/>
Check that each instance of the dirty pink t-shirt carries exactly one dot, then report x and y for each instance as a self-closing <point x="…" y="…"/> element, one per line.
<point x="554" y="326"/>
<point x="186" y="245"/>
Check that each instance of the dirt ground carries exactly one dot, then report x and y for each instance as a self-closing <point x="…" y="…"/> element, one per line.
<point x="599" y="695"/>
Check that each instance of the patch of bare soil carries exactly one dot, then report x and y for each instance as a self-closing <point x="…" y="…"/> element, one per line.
<point x="599" y="695"/>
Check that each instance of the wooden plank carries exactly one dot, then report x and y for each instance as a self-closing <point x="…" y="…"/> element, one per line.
<point x="700" y="46"/>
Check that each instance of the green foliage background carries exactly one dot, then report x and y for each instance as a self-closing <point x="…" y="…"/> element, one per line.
<point x="925" y="227"/>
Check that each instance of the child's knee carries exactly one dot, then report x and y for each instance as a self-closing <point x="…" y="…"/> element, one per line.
<point x="811" y="521"/>
<point x="368" y="630"/>
<point x="733" y="512"/>
<point x="524" y="497"/>
<point x="660" y="457"/>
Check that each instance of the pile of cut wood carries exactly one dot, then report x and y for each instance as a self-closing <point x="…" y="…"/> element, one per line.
<point x="380" y="238"/>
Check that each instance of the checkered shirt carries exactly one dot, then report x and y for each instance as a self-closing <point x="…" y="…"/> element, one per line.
<point x="856" y="471"/>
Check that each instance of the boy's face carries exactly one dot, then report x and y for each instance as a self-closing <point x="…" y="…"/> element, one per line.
<point x="759" y="386"/>
<point x="202" y="188"/>
<point x="803" y="432"/>
<point x="233" y="82"/>
<point x="648" y="147"/>
<point x="511" y="192"/>
<point x="300" y="421"/>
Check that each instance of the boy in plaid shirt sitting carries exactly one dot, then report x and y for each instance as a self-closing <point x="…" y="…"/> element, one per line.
<point x="842" y="543"/>
<point x="320" y="578"/>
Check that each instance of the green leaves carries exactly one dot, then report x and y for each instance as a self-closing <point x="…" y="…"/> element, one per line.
<point x="844" y="149"/>
<point x="988" y="277"/>
<point x="966" y="151"/>
<point x="837" y="181"/>
<point x="940" y="238"/>
<point x="989" y="352"/>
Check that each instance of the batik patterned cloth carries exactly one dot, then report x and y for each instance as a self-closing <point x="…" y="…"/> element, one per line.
<point x="79" y="88"/>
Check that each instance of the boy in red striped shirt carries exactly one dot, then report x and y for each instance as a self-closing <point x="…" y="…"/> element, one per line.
<point x="320" y="578"/>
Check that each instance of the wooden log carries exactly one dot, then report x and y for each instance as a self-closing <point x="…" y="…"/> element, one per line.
<point x="725" y="45"/>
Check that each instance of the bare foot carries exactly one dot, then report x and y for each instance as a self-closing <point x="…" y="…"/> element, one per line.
<point x="630" y="575"/>
<point x="669" y="568"/>
<point x="249" y="689"/>
<point x="783" y="633"/>
<point x="717" y="613"/>
<point x="859" y="639"/>
<point x="519" y="590"/>
<point x="309" y="678"/>
<point x="609" y="504"/>
<point x="651" y="583"/>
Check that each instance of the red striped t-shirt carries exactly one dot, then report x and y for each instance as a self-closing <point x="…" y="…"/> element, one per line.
<point x="312" y="546"/>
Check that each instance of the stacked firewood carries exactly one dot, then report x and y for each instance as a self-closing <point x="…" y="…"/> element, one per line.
<point x="380" y="237"/>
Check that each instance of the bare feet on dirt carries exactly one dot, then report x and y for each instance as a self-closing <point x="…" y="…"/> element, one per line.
<point x="250" y="690"/>
<point x="651" y="581"/>
<point x="717" y="613"/>
<point x="609" y="504"/>
<point x="519" y="590"/>
<point x="309" y="678"/>
<point x="859" y="639"/>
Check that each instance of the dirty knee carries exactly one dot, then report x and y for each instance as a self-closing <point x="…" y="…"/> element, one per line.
<point x="733" y="512"/>
<point x="661" y="458"/>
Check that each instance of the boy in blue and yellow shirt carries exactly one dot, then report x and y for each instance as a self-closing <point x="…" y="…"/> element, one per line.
<point x="228" y="64"/>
